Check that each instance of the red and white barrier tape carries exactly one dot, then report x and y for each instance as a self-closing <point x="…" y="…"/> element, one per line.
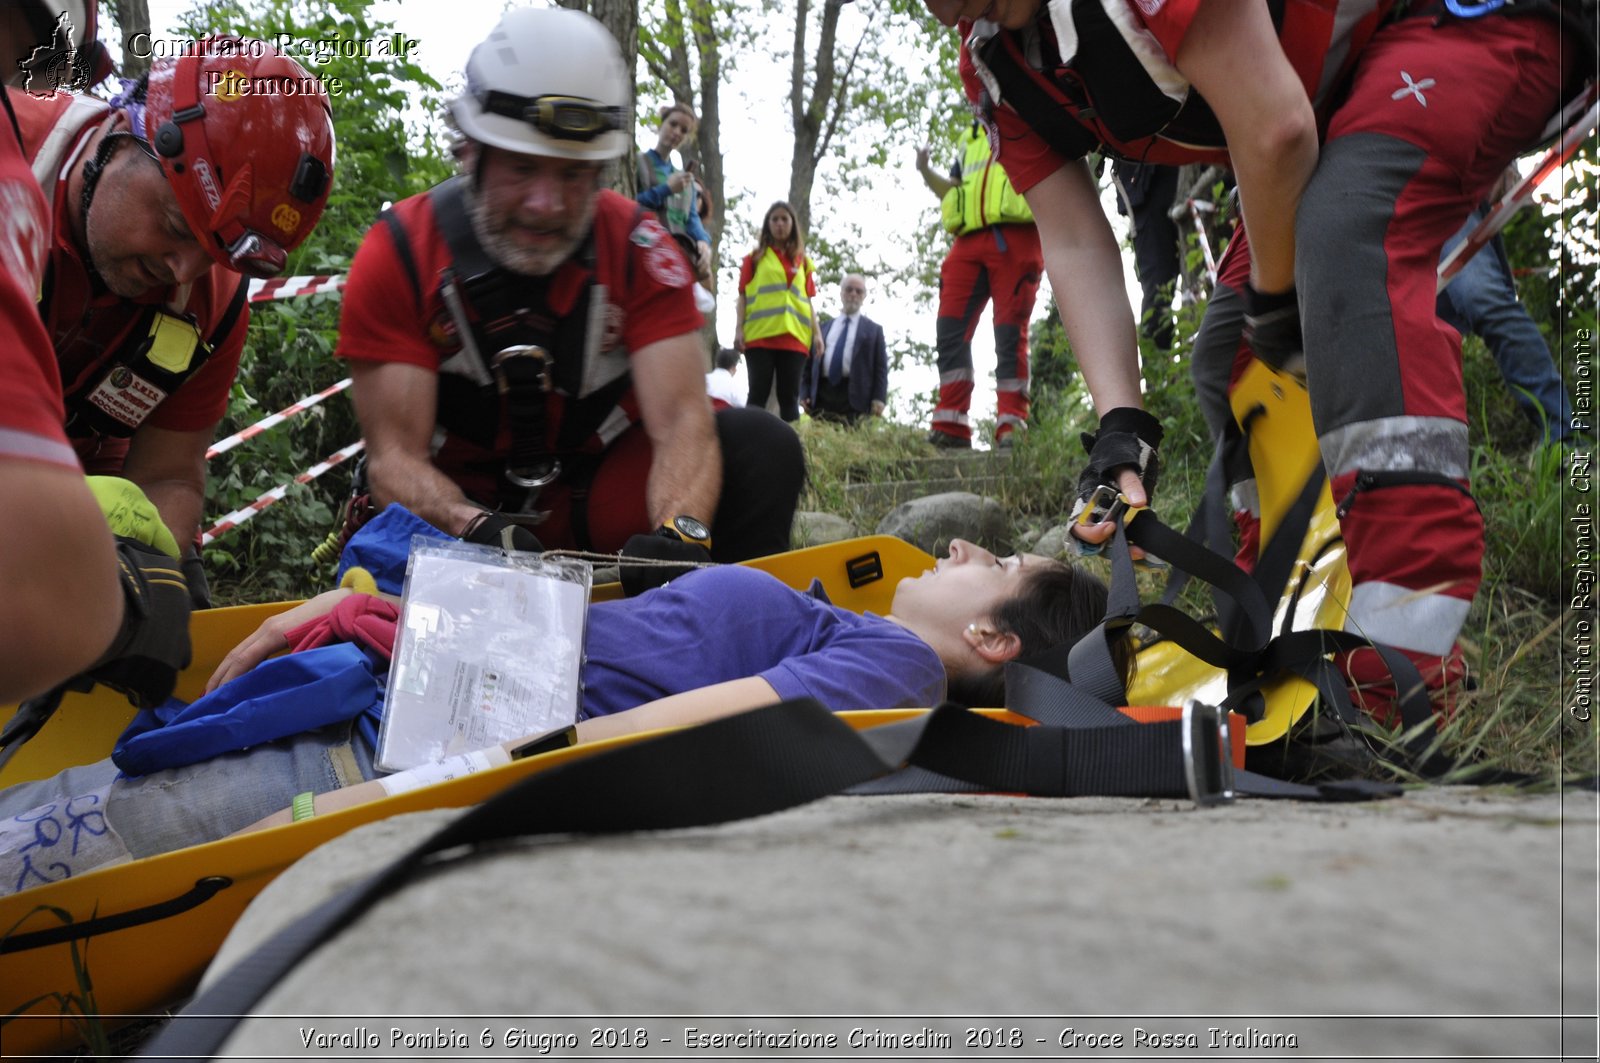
<point x="222" y="446"/>
<point x="263" y="291"/>
<point x="239" y="516"/>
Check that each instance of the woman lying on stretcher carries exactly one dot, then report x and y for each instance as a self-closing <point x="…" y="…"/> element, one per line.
<point x="709" y="644"/>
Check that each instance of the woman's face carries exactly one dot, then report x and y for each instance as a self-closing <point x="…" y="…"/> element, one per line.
<point x="780" y="223"/>
<point x="966" y="586"/>
<point x="1012" y="14"/>
<point x="675" y="129"/>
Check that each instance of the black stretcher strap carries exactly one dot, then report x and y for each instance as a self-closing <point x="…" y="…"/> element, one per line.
<point x="748" y="765"/>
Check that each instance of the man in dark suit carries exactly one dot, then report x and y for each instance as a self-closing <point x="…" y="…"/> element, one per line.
<point x="851" y="379"/>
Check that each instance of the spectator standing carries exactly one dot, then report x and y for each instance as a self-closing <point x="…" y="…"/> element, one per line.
<point x="721" y="384"/>
<point x="851" y="379"/>
<point x="675" y="194"/>
<point x="1482" y="299"/>
<point x="995" y="256"/>
<point x="777" y="328"/>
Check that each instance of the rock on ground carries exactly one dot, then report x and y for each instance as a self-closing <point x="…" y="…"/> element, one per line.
<point x="816" y="529"/>
<point x="931" y="522"/>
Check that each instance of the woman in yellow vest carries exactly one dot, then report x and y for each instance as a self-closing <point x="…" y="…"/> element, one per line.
<point x="777" y="326"/>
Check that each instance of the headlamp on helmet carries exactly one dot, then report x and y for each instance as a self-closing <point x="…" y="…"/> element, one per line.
<point x="562" y="117"/>
<point x="550" y="82"/>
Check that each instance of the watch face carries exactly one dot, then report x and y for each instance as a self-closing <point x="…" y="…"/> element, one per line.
<point x="691" y="528"/>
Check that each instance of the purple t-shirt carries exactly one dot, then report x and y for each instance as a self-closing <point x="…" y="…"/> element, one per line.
<point x="717" y="624"/>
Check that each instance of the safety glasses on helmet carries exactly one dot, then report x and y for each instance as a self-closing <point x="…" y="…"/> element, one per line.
<point x="562" y="117"/>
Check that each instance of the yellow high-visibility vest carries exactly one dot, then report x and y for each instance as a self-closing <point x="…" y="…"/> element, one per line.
<point x="775" y="305"/>
<point x="985" y="196"/>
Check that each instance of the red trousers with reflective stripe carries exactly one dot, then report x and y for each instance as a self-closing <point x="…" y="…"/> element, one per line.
<point x="1434" y="115"/>
<point x="975" y="272"/>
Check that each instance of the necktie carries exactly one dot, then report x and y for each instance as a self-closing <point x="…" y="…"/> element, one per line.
<point x="836" y="360"/>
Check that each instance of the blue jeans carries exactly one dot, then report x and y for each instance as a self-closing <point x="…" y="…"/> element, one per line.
<point x="1482" y="299"/>
<point x="87" y="817"/>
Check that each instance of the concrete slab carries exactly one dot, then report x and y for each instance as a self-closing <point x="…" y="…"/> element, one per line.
<point x="1366" y="930"/>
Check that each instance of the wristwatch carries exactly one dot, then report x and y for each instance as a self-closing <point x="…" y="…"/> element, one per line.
<point x="688" y="530"/>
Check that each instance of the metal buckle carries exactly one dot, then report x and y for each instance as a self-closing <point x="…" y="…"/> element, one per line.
<point x="553" y="470"/>
<point x="1106" y="503"/>
<point x="1207" y="754"/>
<point x="504" y="364"/>
<point x="499" y="363"/>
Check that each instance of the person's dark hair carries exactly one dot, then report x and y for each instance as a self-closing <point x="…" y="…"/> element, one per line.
<point x="1058" y="605"/>
<point x="794" y="247"/>
<point x="727" y="358"/>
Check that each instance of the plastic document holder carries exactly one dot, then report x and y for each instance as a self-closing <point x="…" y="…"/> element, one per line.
<point x="490" y="648"/>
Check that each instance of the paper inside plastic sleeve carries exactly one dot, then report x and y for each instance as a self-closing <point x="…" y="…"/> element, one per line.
<point x="490" y="649"/>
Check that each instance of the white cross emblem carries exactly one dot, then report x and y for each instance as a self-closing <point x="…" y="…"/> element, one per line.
<point x="1413" y="88"/>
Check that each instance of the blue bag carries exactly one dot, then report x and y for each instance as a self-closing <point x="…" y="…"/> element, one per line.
<point x="383" y="544"/>
<point x="280" y="697"/>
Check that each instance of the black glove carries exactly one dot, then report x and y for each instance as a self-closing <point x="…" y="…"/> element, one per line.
<point x="661" y="546"/>
<point x="194" y="573"/>
<point x="1127" y="438"/>
<point x="496" y="529"/>
<point x="152" y="646"/>
<point x="1272" y="329"/>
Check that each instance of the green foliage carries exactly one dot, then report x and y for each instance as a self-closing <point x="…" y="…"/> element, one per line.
<point x="386" y="121"/>
<point x="77" y="1008"/>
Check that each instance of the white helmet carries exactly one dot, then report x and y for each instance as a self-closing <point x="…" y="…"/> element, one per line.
<point x="548" y="81"/>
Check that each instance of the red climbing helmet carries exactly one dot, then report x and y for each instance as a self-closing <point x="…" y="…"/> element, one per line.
<point x="245" y="137"/>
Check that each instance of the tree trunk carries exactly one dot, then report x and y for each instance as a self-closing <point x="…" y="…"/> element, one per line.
<point x="133" y="16"/>
<point x="621" y="17"/>
<point x="817" y="115"/>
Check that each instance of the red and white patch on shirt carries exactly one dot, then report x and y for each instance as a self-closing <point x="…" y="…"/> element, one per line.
<point x="662" y="259"/>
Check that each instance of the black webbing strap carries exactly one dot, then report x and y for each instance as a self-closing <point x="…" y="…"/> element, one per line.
<point x="1210" y="525"/>
<point x="1043" y="111"/>
<point x="1090" y="660"/>
<point x="401" y="241"/>
<point x="1051" y="698"/>
<point x="523" y="373"/>
<point x="742" y="766"/>
<point x="230" y="317"/>
<point x="454" y="223"/>
<point x="735" y="768"/>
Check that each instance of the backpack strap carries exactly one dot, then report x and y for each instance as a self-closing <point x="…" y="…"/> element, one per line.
<point x="400" y="239"/>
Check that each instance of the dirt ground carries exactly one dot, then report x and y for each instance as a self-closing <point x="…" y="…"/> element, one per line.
<point x="1450" y="923"/>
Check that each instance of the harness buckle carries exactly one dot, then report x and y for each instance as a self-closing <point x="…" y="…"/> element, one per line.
<point x="522" y="375"/>
<point x="1207" y="754"/>
<point x="537" y="476"/>
<point x="508" y="368"/>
